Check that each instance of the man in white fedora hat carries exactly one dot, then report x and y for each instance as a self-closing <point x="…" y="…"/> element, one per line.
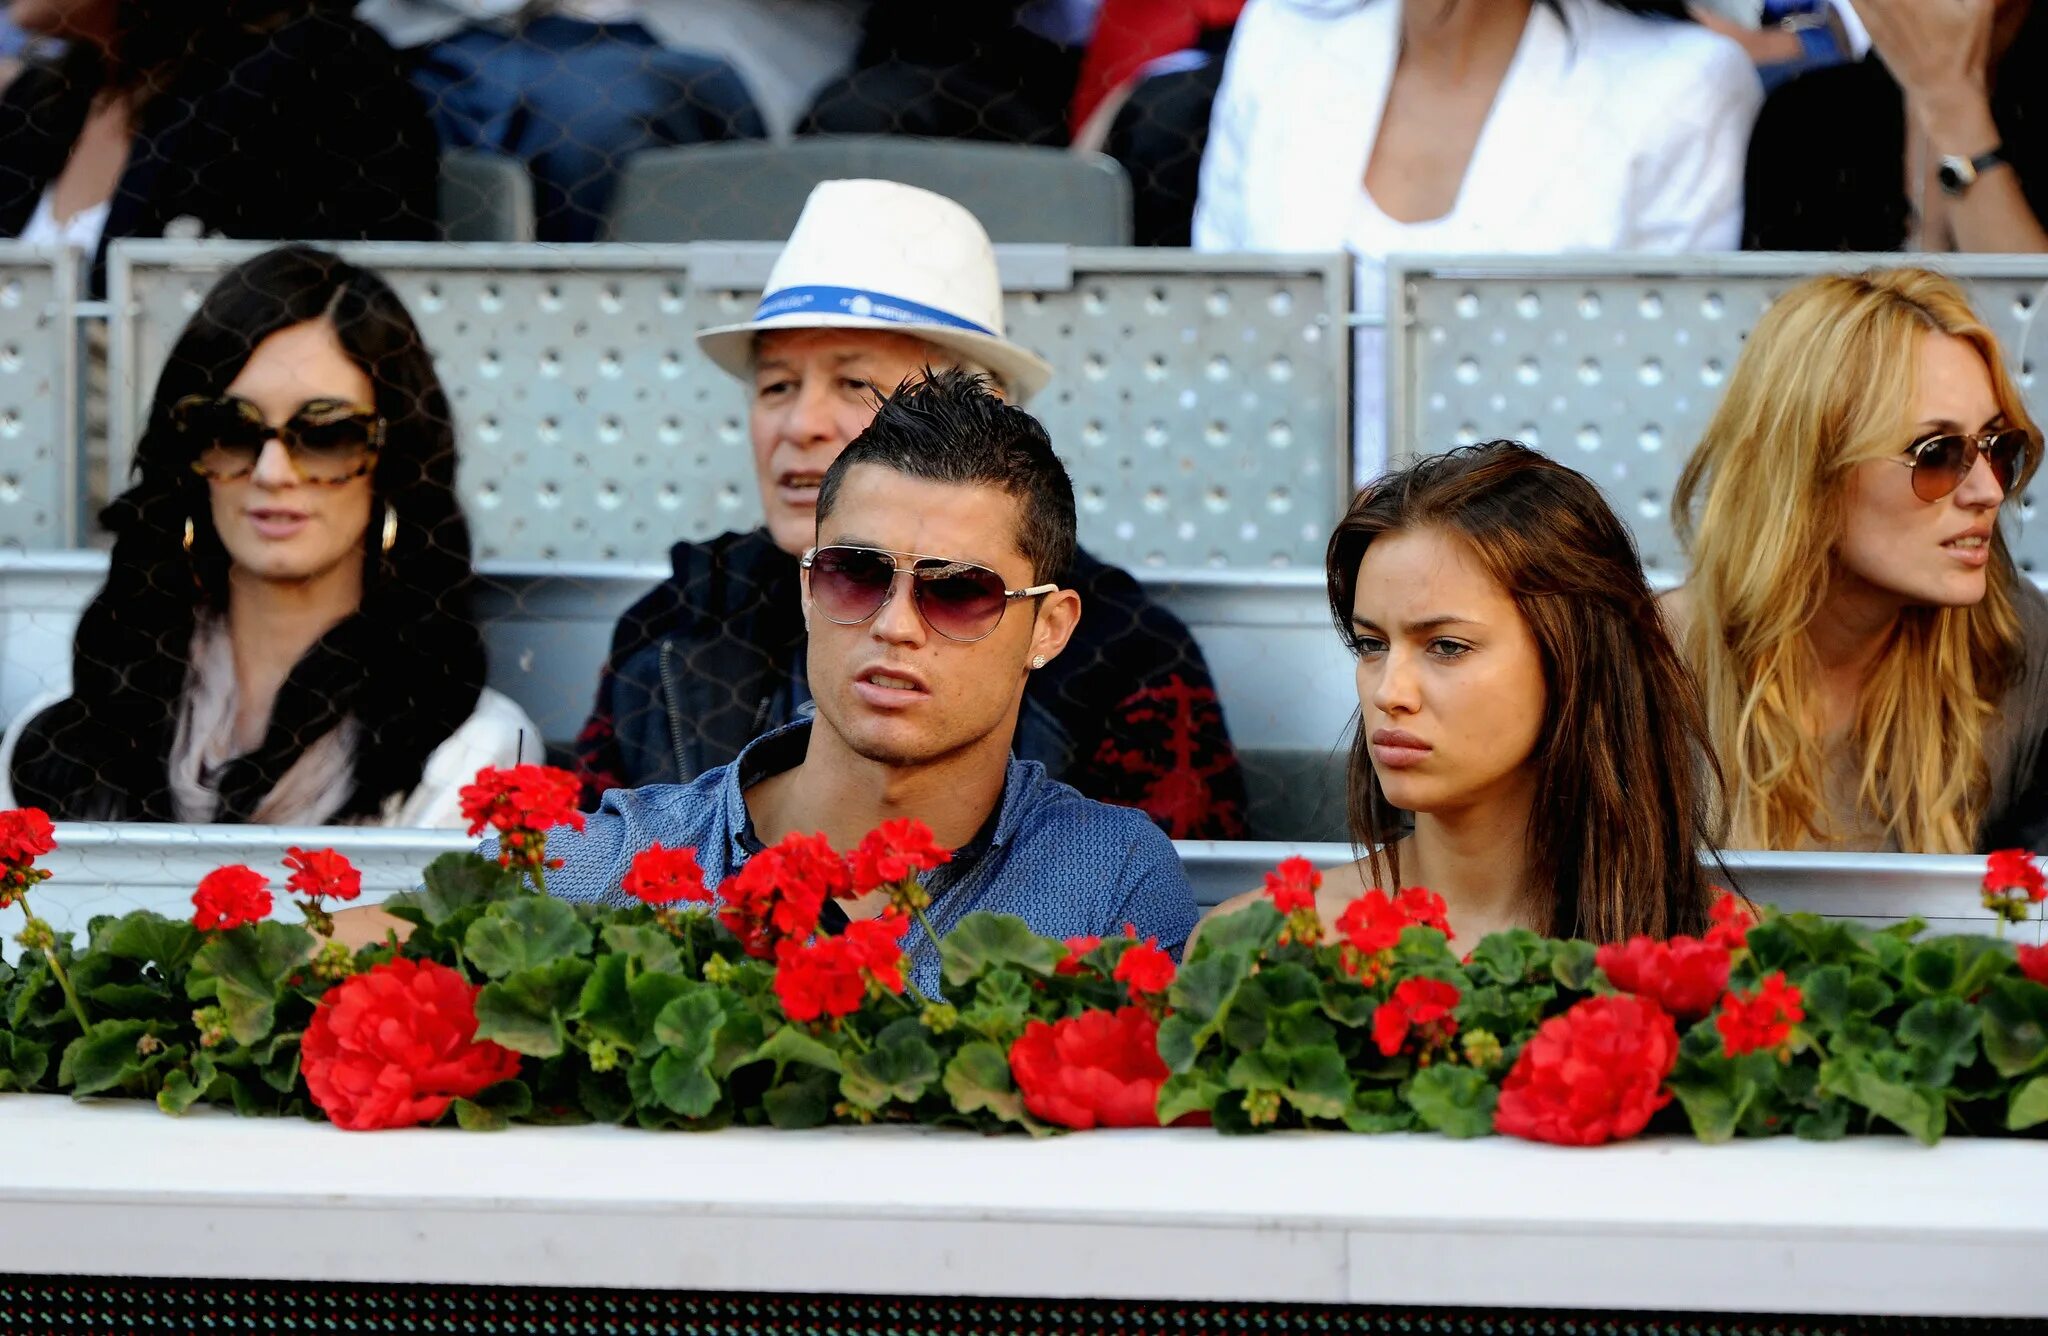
<point x="878" y="283"/>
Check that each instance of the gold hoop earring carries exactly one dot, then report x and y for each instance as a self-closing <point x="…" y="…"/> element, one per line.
<point x="188" y="534"/>
<point x="390" y="525"/>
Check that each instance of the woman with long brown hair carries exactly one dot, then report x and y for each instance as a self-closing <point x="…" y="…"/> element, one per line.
<point x="1529" y="745"/>
<point x="1871" y="659"/>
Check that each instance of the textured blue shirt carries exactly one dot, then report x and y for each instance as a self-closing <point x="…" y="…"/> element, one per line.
<point x="1067" y="865"/>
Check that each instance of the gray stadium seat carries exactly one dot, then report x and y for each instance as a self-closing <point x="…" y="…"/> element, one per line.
<point x="485" y="197"/>
<point x="748" y="191"/>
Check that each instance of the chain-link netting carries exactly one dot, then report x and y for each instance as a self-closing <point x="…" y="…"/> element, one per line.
<point x="519" y="510"/>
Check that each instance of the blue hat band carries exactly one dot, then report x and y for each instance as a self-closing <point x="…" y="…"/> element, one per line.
<point x="861" y="302"/>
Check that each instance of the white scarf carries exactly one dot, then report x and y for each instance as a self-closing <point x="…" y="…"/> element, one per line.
<point x="308" y="794"/>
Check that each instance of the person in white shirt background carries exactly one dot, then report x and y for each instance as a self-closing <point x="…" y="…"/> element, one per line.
<point x="1521" y="126"/>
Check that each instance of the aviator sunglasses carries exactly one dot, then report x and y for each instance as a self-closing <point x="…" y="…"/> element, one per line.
<point x="1940" y="463"/>
<point x="958" y="599"/>
<point x="329" y="440"/>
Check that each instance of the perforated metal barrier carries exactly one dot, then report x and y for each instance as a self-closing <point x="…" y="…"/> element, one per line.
<point x="39" y="441"/>
<point x="1613" y="364"/>
<point x="1199" y="402"/>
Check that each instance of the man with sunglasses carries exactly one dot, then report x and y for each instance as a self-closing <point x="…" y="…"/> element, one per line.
<point x="879" y="282"/>
<point x="932" y="596"/>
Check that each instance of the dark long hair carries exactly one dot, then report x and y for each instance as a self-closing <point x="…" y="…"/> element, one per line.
<point x="408" y="665"/>
<point x="153" y="41"/>
<point x="1627" y="790"/>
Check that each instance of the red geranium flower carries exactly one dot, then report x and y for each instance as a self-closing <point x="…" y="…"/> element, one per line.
<point x="1144" y="967"/>
<point x="1077" y="947"/>
<point x="1685" y="976"/>
<point x="1763" y="1020"/>
<point x="25" y="835"/>
<point x="830" y="977"/>
<point x="661" y="876"/>
<point x="2033" y="962"/>
<point x="1425" y="909"/>
<point x="1371" y="923"/>
<point x="530" y="799"/>
<point x="321" y="873"/>
<point x="393" y="1046"/>
<point x="781" y="891"/>
<point x="229" y="897"/>
<point x="1097" y="1069"/>
<point x="1732" y="918"/>
<point x="2015" y="870"/>
<point x="1293" y="885"/>
<point x="1421" y="1005"/>
<point x="894" y="852"/>
<point x="1592" y="1075"/>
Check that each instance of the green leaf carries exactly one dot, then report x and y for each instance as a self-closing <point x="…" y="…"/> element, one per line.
<point x="654" y="949"/>
<point x="1378" y="1110"/>
<point x="524" y="934"/>
<point x="494" y="1108"/>
<point x="978" y="1079"/>
<point x="2029" y="1106"/>
<point x="650" y="993"/>
<point x="1507" y="957"/>
<point x="606" y="1006"/>
<point x="802" y="1101"/>
<point x="1942" y="1032"/>
<point x="1002" y="1003"/>
<point x="1317" y="1084"/>
<point x="149" y="938"/>
<point x="1954" y="966"/>
<point x="1346" y="1002"/>
<point x="683" y="1085"/>
<point x="901" y="1071"/>
<point x="1452" y="1099"/>
<point x="1185" y="1093"/>
<point x="452" y="883"/>
<point x="179" y="1093"/>
<point x="1574" y="964"/>
<point x="102" y="1057"/>
<point x="1830" y="1122"/>
<point x="1715" y="1095"/>
<point x="2015" y="1026"/>
<point x="689" y="1025"/>
<point x="1201" y="996"/>
<point x="1918" y="1112"/>
<point x="791" y="1044"/>
<point x="604" y="1096"/>
<point x="1251" y="930"/>
<point x="22" y="1062"/>
<point x="982" y="942"/>
<point x="527" y="1011"/>
<point x="246" y="971"/>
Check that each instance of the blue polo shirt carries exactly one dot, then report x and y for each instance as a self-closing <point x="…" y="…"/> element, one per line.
<point x="1067" y="865"/>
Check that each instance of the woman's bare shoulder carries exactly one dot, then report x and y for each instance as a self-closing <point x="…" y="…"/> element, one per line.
<point x="1676" y="605"/>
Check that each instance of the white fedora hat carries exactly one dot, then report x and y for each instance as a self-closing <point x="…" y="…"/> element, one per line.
<point x="883" y="255"/>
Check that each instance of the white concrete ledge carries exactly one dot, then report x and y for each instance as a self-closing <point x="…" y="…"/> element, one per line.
<point x="1871" y="1225"/>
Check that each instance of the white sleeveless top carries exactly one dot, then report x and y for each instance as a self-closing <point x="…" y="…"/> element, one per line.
<point x="80" y="232"/>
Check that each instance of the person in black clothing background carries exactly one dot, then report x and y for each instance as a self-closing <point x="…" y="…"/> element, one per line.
<point x="879" y="282"/>
<point x="262" y="119"/>
<point x="1937" y="141"/>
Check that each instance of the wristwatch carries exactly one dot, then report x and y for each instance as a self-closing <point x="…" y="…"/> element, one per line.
<point x="1958" y="174"/>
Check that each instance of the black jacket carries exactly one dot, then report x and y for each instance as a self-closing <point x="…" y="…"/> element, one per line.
<point x="710" y="660"/>
<point x="1827" y="159"/>
<point x="305" y="131"/>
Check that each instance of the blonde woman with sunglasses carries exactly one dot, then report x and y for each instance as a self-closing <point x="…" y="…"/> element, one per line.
<point x="1872" y="660"/>
<point x="284" y="636"/>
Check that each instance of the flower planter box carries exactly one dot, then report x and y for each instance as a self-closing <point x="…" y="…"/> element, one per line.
<point x="1871" y="1225"/>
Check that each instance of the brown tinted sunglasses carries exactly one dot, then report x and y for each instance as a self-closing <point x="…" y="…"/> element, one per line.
<point x="1940" y="463"/>
<point x="329" y="440"/>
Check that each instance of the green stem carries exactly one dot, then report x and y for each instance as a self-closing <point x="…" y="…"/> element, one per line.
<point x="926" y="924"/>
<point x="56" y="965"/>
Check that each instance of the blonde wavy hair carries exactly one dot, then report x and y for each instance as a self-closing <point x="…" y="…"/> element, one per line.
<point x="1826" y="382"/>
